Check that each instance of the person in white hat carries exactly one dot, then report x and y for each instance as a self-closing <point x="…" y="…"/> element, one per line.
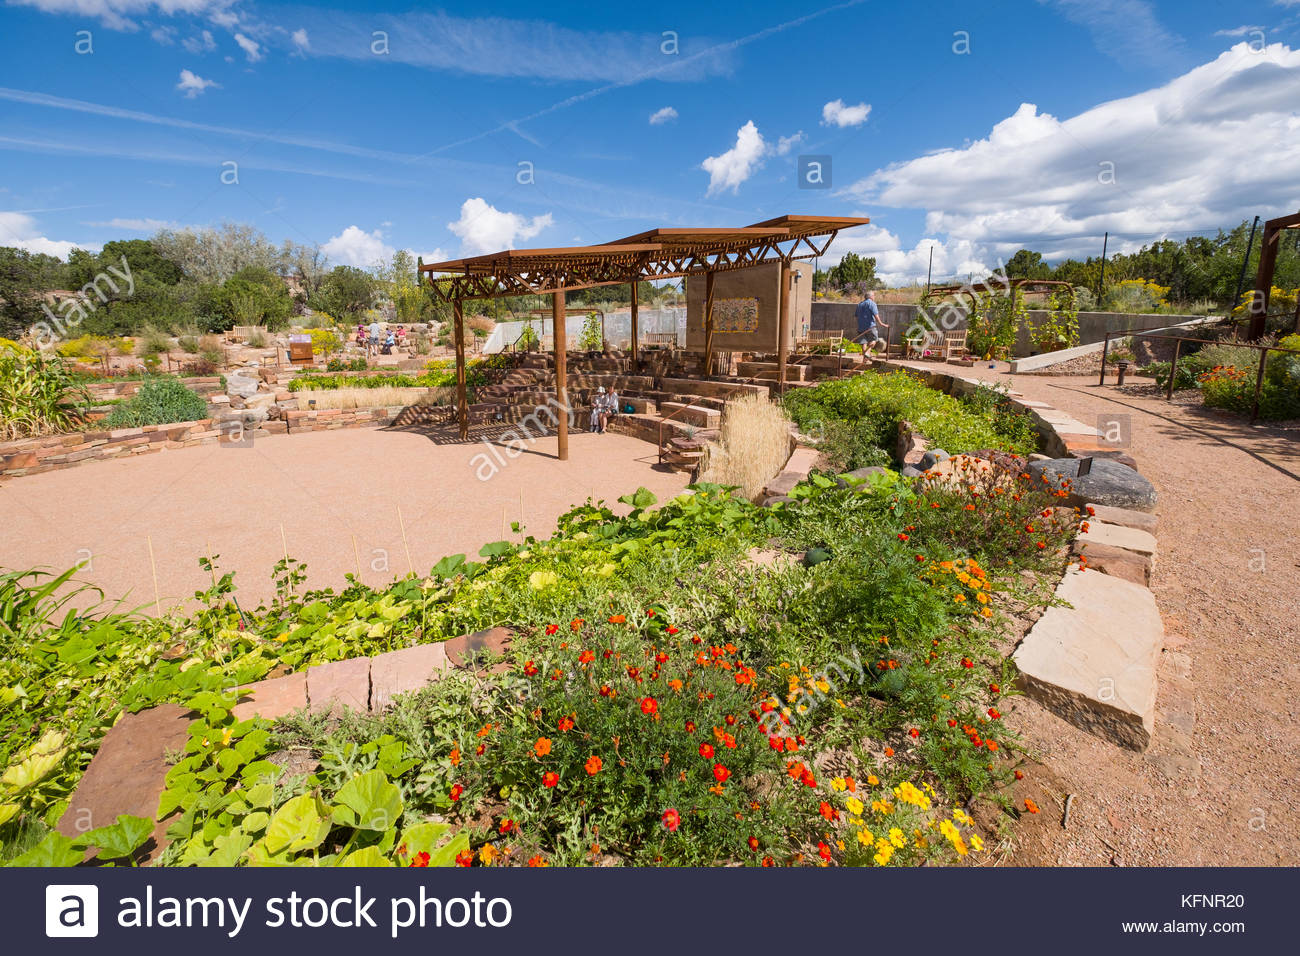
<point x="598" y="403"/>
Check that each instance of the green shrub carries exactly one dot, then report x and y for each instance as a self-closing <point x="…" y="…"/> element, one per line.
<point x="160" y="401"/>
<point x="38" y="395"/>
<point x="189" y="343"/>
<point x="154" y="343"/>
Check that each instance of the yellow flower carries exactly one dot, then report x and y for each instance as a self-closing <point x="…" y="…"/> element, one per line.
<point x="823" y="685"/>
<point x="948" y="830"/>
<point x="976" y="843"/>
<point x="883" y="854"/>
<point x="865" y="837"/>
<point x="960" y="846"/>
<point x="882" y="806"/>
<point x="906" y="792"/>
<point x="854" y="805"/>
<point x="873" y="780"/>
<point x="961" y="816"/>
<point x="897" y="838"/>
<point x="487" y="853"/>
<point x="838" y="784"/>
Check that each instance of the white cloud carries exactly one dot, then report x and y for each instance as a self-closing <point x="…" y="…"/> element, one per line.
<point x="192" y="84"/>
<point x="1239" y="31"/>
<point x="252" y="49"/>
<point x="164" y="35"/>
<point x="835" y="113"/>
<point x="728" y="170"/>
<point x="356" y="247"/>
<point x="1208" y="149"/>
<point x="300" y="41"/>
<point x="896" y="265"/>
<point x="117" y="14"/>
<point x="662" y="115"/>
<point x="203" y="43"/>
<point x="1127" y="31"/>
<point x="134" y="225"/>
<point x="19" y="231"/>
<point x="483" y="228"/>
<point x="787" y="143"/>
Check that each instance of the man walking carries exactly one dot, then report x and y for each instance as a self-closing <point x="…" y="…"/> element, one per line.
<point x="869" y="325"/>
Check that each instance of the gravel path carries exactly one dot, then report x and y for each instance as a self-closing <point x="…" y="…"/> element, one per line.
<point x="323" y="489"/>
<point x="1218" y="786"/>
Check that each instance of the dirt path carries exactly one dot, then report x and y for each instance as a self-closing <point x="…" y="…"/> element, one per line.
<point x="1218" y="786"/>
<point x="323" y="489"/>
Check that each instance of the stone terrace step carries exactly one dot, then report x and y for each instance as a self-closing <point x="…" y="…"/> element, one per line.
<point x="696" y="415"/>
<point x="1093" y="661"/>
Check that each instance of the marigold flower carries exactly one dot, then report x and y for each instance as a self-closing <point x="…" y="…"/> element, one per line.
<point x="564" y="724"/>
<point x="454" y="756"/>
<point x="902" y="537"/>
<point x="576" y="624"/>
<point x="537" y="860"/>
<point x="530" y="668"/>
<point x="720" y="773"/>
<point x="889" y="751"/>
<point x="1020" y="775"/>
<point x="1030" y="805"/>
<point x="706" y="751"/>
<point x="753" y="843"/>
<point x="671" y="629"/>
<point x="617" y="619"/>
<point x="671" y="820"/>
<point x="661" y="658"/>
<point x="465" y="858"/>
<point x="480" y="749"/>
<point x="586" y="657"/>
<point x="829" y="812"/>
<point x="808" y="780"/>
<point x="456" y="791"/>
<point x="690" y="726"/>
<point x="421" y="859"/>
<point x="506" y="825"/>
<point x="914" y="732"/>
<point x="593" y="765"/>
<point x="550" y="778"/>
<point x="552" y="629"/>
<point x="542" y="747"/>
<point x="823" y="851"/>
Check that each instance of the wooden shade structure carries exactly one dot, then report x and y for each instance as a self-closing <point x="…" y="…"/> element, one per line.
<point x="665" y="253"/>
<point x="1259" y="302"/>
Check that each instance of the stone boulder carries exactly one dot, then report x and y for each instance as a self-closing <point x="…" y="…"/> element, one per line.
<point x="242" y="385"/>
<point x="932" y="458"/>
<point x="1108" y="483"/>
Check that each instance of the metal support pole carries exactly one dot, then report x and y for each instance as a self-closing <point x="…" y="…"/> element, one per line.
<point x="462" y="407"/>
<point x="1268" y="244"/>
<point x="1105" y="348"/>
<point x="1173" y="370"/>
<point x="708" y="323"/>
<point x="1259" y="384"/>
<point x="635" y="320"/>
<point x="561" y="374"/>
<point x="1101" y="283"/>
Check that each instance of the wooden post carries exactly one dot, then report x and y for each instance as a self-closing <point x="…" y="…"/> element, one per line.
<point x="1258" y="311"/>
<point x="462" y="407"/>
<point x="708" y="323"/>
<point x="561" y="374"/>
<point x="635" y="306"/>
<point x="783" y="328"/>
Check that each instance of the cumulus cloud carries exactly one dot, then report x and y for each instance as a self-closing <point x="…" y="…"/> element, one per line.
<point x="164" y="35"/>
<point x="1205" y="150"/>
<point x="300" y="42"/>
<point x="483" y="228"/>
<point x="252" y="49"/>
<point x="899" y="265"/>
<point x="192" y="84"/>
<point x="787" y="143"/>
<point x="728" y="170"/>
<point x="835" y="113"/>
<point x="356" y="247"/>
<point x="203" y="43"/>
<point x="19" y="230"/>
<point x="662" y="115"/>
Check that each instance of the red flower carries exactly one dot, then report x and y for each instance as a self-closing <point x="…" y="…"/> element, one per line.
<point x="951" y="722"/>
<point x="776" y="743"/>
<point x="768" y="861"/>
<point x="421" y="859"/>
<point x="995" y="688"/>
<point x="753" y="843"/>
<point x="465" y="858"/>
<point x="690" y="726"/>
<point x="593" y="765"/>
<point x="902" y="537"/>
<point x="537" y="860"/>
<point x="823" y="851"/>
<point x="808" y="780"/>
<point x="706" y="751"/>
<point x="480" y="749"/>
<point x="586" y="657"/>
<point x="649" y="706"/>
<point x="889" y="751"/>
<point x="661" y="658"/>
<point x="730" y="720"/>
<point x="671" y="629"/>
<point x="550" y="778"/>
<point x="920" y="557"/>
<point x="650" y="612"/>
<point x="456" y="791"/>
<point x="576" y="624"/>
<point x="530" y="668"/>
<point x="829" y="812"/>
<point x="994" y="713"/>
<point x="671" y="820"/>
<point x="991" y="744"/>
<point x="720" y="773"/>
<point x="565" y="724"/>
<point x="915" y="732"/>
<point x="506" y="825"/>
<point x="967" y="662"/>
<point x="617" y="619"/>
<point x="552" y="629"/>
<point x="1020" y="775"/>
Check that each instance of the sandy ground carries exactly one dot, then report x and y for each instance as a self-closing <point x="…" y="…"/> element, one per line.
<point x="322" y="489"/>
<point x="1225" y="581"/>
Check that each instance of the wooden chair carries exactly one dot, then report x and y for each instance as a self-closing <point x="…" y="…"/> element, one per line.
<point x="954" y="344"/>
<point x="826" y="341"/>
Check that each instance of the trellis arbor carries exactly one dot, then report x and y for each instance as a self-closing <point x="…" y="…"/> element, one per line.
<point x="665" y="253"/>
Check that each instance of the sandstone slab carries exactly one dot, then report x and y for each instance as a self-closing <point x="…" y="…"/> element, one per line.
<point x="1118" y="536"/>
<point x="1124" y="516"/>
<point x="400" y="672"/>
<point x="128" y="773"/>
<point x="1119" y="562"/>
<point x="342" y="685"/>
<point x="1093" y="663"/>
<point x="493" y="641"/>
<point x="272" y="698"/>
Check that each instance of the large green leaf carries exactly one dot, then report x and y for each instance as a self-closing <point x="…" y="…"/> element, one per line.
<point x="301" y="824"/>
<point x="366" y="856"/>
<point x="54" y="850"/>
<point x="368" y="802"/>
<point x="120" y="839"/>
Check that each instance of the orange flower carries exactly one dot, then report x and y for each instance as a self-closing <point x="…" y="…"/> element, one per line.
<point x="454" y="756"/>
<point x="530" y="668"/>
<point x="706" y="751"/>
<point x="576" y="624"/>
<point x="753" y="843"/>
<point x="649" y="706"/>
<point x="456" y="791"/>
<point x="551" y="629"/>
<point x="720" y="773"/>
<point x="889" y="751"/>
<point x="618" y="619"/>
<point x="593" y="765"/>
<point x="1030" y="805"/>
<point x="550" y="778"/>
<point x="542" y="747"/>
<point x="565" y="724"/>
<point x="671" y="820"/>
<point x="586" y="657"/>
<point x="829" y="812"/>
<point x="675" y="684"/>
<point x="537" y="861"/>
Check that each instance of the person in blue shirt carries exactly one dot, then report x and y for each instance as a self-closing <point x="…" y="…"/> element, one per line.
<point x="869" y="325"/>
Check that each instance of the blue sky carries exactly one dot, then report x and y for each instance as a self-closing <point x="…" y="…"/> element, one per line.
<point x="451" y="130"/>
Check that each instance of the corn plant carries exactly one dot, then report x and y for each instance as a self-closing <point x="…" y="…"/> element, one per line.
<point x="38" y="395"/>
